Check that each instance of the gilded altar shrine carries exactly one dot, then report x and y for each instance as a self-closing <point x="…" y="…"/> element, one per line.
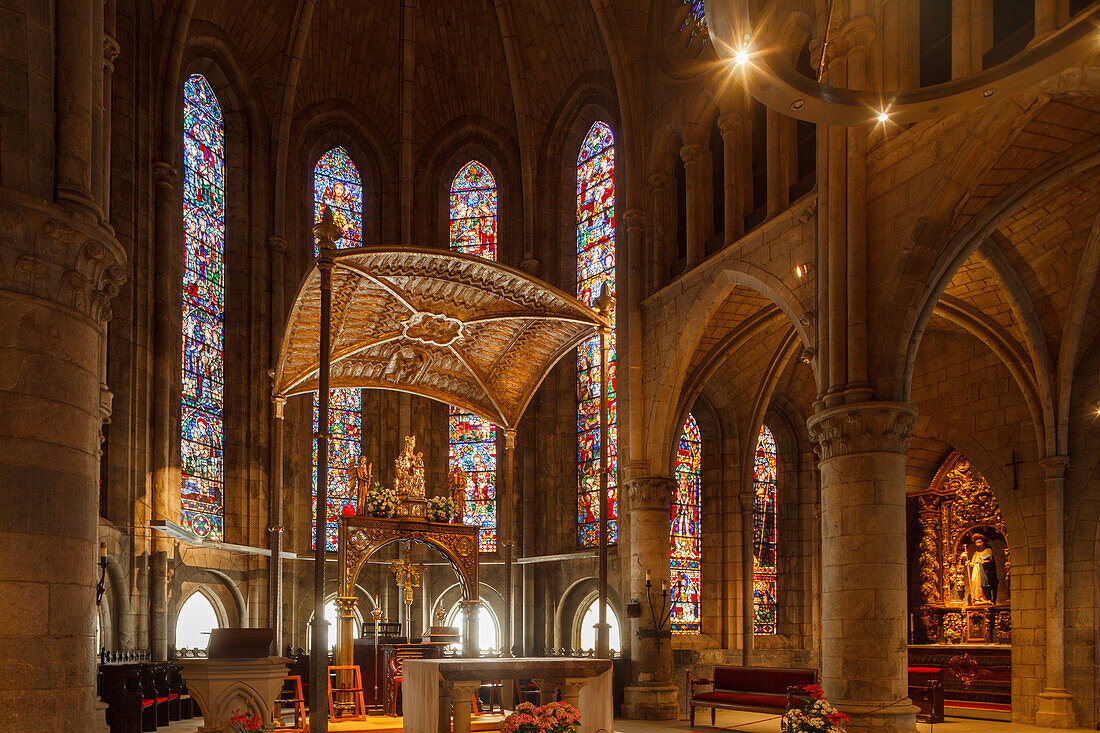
<point x="959" y="560"/>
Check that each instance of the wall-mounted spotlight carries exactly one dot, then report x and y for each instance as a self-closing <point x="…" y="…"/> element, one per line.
<point x="802" y="270"/>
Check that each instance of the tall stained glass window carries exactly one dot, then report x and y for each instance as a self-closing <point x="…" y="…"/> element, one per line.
<point x="687" y="531"/>
<point x="763" y="534"/>
<point x="595" y="269"/>
<point x="473" y="440"/>
<point x="336" y="184"/>
<point x="201" y="427"/>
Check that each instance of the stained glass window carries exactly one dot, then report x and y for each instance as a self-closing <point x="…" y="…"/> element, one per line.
<point x="473" y="440"/>
<point x="201" y="428"/>
<point x="763" y="534"/>
<point x="595" y="269"/>
<point x="695" y="20"/>
<point x="336" y="184"/>
<point x="687" y="531"/>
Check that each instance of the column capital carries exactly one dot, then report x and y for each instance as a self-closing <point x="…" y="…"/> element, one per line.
<point x="164" y="173"/>
<point x="863" y="427"/>
<point x="276" y="244"/>
<point x="692" y="154"/>
<point x="650" y="492"/>
<point x="658" y="183"/>
<point x="1054" y="466"/>
<point x="59" y="257"/>
<point x="730" y="123"/>
<point x="633" y="219"/>
<point x="110" y="51"/>
<point x="747" y="499"/>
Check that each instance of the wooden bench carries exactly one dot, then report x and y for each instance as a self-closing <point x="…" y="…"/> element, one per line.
<point x="758" y="689"/>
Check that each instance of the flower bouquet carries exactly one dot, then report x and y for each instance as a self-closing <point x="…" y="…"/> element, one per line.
<point x="554" y="717"/>
<point x="246" y="723"/>
<point x="380" y="501"/>
<point x="440" y="509"/>
<point x="815" y="716"/>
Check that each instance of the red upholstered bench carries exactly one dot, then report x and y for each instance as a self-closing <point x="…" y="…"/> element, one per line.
<point x="763" y="689"/>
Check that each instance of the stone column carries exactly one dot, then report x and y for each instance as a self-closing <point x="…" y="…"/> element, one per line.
<point x="58" y="273"/>
<point x="471" y="645"/>
<point x="731" y="125"/>
<point x="1055" y="702"/>
<point x="778" y="155"/>
<point x="748" y="572"/>
<point x="650" y="693"/>
<point x="861" y="449"/>
<point x="695" y="158"/>
<point x="79" y="62"/>
<point x="657" y="188"/>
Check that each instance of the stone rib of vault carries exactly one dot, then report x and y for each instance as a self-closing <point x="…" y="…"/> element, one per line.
<point x="445" y="325"/>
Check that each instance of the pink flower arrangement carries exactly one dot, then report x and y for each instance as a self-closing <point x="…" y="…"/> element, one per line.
<point x="554" y="717"/>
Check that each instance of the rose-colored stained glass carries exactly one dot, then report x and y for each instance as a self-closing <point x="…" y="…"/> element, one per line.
<point x="595" y="270"/>
<point x="201" y="424"/>
<point x="472" y="439"/>
<point x="336" y="184"/>
<point x="687" y="531"/>
<point x="763" y="534"/>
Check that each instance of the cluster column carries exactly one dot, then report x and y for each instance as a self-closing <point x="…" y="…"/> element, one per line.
<point x="1055" y="701"/>
<point x="861" y="449"/>
<point x="650" y="694"/>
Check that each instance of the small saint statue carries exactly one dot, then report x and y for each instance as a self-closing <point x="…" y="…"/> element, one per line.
<point x="456" y="483"/>
<point x="364" y="481"/>
<point x="983" y="572"/>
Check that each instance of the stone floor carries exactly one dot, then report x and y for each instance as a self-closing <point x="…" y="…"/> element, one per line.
<point x="730" y="720"/>
<point x="748" y="722"/>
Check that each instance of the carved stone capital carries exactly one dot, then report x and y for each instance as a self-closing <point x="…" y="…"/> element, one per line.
<point x="658" y="183"/>
<point x="747" y="500"/>
<point x="650" y="492"/>
<point x="276" y="244"/>
<point x="164" y="173"/>
<point x="1054" y="467"/>
<point x="110" y="51"/>
<point x="633" y="219"/>
<point x="730" y="123"/>
<point x="47" y="252"/>
<point x="692" y="155"/>
<point x="865" y="427"/>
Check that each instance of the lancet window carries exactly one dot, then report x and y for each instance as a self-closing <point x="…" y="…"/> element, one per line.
<point x="336" y="184"/>
<point x="202" y="458"/>
<point x="595" y="270"/>
<point x="472" y="439"/>
<point x="685" y="554"/>
<point x="763" y="534"/>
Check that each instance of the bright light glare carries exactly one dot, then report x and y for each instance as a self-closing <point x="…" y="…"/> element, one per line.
<point x="883" y="117"/>
<point x="741" y="57"/>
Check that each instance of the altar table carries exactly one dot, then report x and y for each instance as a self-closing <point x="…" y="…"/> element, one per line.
<point x="431" y="687"/>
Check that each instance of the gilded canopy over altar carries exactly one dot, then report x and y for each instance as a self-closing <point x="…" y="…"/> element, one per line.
<point x="453" y="327"/>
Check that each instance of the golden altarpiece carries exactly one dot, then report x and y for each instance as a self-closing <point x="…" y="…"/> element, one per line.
<point x="960" y="564"/>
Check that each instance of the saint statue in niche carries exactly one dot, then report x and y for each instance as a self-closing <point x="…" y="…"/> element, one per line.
<point x="364" y="482"/>
<point x="983" y="572"/>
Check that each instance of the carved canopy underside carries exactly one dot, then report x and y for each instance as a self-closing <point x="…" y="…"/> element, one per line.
<point x="453" y="327"/>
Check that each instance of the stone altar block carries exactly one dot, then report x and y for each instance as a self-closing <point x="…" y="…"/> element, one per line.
<point x="431" y="687"/>
<point x="225" y="687"/>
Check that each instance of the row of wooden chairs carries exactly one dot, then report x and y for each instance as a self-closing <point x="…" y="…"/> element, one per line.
<point x="142" y="696"/>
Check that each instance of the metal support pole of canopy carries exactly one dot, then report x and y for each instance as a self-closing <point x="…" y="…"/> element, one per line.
<point x="327" y="233"/>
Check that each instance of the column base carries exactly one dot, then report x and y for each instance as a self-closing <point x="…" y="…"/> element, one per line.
<point x="879" y="717"/>
<point x="651" y="702"/>
<point x="1055" y="709"/>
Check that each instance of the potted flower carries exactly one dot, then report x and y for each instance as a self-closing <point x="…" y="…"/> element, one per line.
<point x="440" y="509"/>
<point x="380" y="501"/>
<point x="560" y="717"/>
<point x="815" y="716"/>
<point x="524" y="719"/>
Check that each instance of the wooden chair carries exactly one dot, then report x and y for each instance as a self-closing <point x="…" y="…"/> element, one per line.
<point x="356" y="691"/>
<point x="491" y="691"/>
<point x="294" y="698"/>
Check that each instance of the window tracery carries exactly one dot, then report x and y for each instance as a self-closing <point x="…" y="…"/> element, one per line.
<point x="472" y="440"/>
<point x="763" y="534"/>
<point x="595" y="269"/>
<point x="686" y="543"/>
<point x="202" y="430"/>
<point x="336" y="184"/>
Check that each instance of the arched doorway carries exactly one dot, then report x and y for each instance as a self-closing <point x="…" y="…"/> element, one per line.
<point x="488" y="629"/>
<point x="586" y="629"/>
